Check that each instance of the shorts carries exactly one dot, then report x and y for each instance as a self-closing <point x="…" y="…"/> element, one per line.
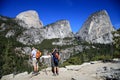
<point x="56" y="63"/>
<point x="35" y="62"/>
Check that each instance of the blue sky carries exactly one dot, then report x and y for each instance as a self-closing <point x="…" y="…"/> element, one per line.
<point x="75" y="11"/>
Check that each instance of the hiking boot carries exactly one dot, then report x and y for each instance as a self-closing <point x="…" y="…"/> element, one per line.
<point x="33" y="72"/>
<point x="54" y="74"/>
<point x="57" y="73"/>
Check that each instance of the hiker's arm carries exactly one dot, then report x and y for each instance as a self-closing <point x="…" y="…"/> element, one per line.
<point x="53" y="50"/>
<point x="59" y="57"/>
<point x="31" y="55"/>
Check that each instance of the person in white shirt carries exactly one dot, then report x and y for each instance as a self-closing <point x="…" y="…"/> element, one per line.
<point x="34" y="61"/>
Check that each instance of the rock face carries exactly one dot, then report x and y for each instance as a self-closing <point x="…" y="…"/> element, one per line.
<point x="59" y="29"/>
<point x="97" y="28"/>
<point x="29" y="19"/>
<point x="10" y="33"/>
<point x="23" y="50"/>
<point x="31" y="36"/>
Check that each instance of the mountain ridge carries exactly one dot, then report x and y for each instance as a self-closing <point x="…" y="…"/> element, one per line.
<point x="92" y="34"/>
<point x="97" y="27"/>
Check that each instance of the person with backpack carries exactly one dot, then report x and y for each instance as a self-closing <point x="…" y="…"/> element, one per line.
<point x="34" y="60"/>
<point x="55" y="58"/>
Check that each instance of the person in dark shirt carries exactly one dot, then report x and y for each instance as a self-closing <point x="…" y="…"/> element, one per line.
<point x="55" y="62"/>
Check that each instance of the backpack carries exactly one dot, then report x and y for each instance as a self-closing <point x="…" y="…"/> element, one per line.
<point x="38" y="54"/>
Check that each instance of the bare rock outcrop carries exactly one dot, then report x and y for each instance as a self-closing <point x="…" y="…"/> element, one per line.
<point x="94" y="70"/>
<point x="97" y="28"/>
<point x="31" y="36"/>
<point x="59" y="29"/>
<point x="29" y="19"/>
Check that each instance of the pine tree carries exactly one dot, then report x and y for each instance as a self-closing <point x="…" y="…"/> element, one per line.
<point x="116" y="39"/>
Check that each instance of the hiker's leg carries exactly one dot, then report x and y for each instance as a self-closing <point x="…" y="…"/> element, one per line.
<point x="37" y="67"/>
<point x="54" y="69"/>
<point x="57" y="70"/>
<point x="34" y="65"/>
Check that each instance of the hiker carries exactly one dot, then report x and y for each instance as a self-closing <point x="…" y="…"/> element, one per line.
<point x="55" y="63"/>
<point x="34" y="60"/>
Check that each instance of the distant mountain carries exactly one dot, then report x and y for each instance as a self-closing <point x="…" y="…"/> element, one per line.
<point x="59" y="29"/>
<point x="29" y="19"/>
<point x="97" y="28"/>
